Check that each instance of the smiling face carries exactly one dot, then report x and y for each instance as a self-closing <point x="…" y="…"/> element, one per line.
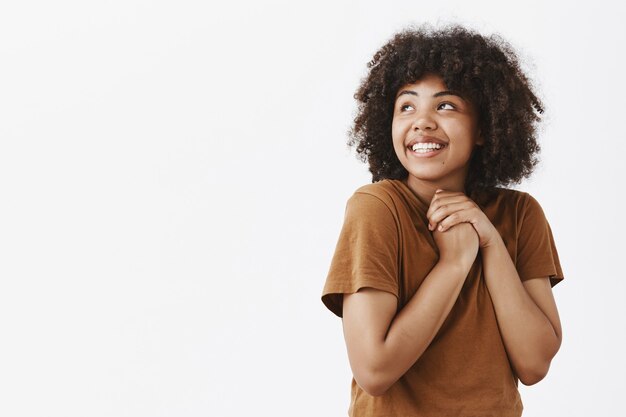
<point x="434" y="132"/>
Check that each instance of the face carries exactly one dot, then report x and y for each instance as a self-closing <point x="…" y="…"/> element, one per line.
<point x="434" y="132"/>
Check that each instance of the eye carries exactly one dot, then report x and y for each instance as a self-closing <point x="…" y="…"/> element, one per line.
<point x="448" y="104"/>
<point x="405" y="106"/>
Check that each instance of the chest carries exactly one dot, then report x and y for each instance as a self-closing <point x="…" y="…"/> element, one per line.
<point x="418" y="252"/>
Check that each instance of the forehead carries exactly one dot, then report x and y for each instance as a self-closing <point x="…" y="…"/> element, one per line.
<point x="429" y="79"/>
<point x="429" y="85"/>
<point x="426" y="82"/>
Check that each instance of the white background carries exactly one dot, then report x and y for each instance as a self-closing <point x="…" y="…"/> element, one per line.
<point x="173" y="177"/>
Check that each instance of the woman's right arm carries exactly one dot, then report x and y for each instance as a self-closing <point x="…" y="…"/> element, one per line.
<point x="381" y="347"/>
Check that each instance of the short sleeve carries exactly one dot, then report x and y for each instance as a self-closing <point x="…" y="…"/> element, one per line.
<point x="537" y="255"/>
<point x="366" y="254"/>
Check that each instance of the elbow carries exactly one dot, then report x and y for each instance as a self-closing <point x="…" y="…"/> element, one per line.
<point x="375" y="389"/>
<point x="531" y="376"/>
<point x="372" y="383"/>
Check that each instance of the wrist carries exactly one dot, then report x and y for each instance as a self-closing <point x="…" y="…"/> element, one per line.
<point x="489" y="238"/>
<point x="455" y="266"/>
<point x="493" y="242"/>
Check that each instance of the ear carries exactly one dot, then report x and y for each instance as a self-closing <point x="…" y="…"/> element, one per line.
<point x="480" y="140"/>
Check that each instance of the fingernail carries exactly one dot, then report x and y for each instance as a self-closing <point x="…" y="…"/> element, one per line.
<point x="438" y="191"/>
<point x="440" y="227"/>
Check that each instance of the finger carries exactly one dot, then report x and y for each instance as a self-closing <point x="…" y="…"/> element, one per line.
<point x="439" y="209"/>
<point x="445" y="198"/>
<point x="446" y="210"/>
<point x="452" y="220"/>
<point x="447" y="201"/>
<point x="443" y="193"/>
<point x="472" y="215"/>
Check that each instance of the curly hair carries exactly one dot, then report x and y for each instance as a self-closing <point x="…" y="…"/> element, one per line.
<point x="484" y="70"/>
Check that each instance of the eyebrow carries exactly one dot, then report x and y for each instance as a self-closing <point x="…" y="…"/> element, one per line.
<point x="439" y="94"/>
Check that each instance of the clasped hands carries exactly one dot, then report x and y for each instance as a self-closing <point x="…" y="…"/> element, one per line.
<point x="448" y="208"/>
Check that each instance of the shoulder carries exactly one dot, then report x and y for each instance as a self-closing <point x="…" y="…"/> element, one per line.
<point x="522" y="201"/>
<point x="506" y="199"/>
<point x="373" y="204"/>
<point x="378" y="194"/>
<point x="506" y="207"/>
<point x="382" y="190"/>
<point x="518" y="208"/>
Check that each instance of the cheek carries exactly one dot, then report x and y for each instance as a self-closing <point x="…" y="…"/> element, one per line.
<point x="397" y="132"/>
<point x="394" y="135"/>
<point x="399" y="148"/>
<point x="397" y="143"/>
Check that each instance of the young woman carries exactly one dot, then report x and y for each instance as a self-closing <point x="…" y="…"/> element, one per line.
<point x="443" y="277"/>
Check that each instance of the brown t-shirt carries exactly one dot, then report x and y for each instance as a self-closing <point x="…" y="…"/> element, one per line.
<point x="385" y="244"/>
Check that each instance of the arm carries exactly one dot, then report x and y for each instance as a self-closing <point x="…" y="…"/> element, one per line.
<point x="381" y="347"/>
<point x="527" y="315"/>
<point x="526" y="312"/>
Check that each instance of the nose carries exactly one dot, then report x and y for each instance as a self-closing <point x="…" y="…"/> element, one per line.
<point x="424" y="121"/>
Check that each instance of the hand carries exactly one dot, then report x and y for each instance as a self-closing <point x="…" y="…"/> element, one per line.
<point x="448" y="209"/>
<point x="458" y="245"/>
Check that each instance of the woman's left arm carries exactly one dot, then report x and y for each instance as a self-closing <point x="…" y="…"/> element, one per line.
<point x="526" y="312"/>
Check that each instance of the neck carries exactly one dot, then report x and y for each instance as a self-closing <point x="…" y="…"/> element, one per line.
<point x="425" y="190"/>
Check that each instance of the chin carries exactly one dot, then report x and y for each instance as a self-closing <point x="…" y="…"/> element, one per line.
<point x="425" y="176"/>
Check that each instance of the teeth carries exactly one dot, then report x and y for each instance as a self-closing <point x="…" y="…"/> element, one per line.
<point x="425" y="147"/>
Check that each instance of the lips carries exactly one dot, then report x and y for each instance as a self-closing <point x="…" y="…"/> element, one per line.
<point x="426" y="139"/>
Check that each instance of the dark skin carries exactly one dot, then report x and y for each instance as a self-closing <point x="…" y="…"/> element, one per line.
<point x="483" y="70"/>
<point x="382" y="345"/>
